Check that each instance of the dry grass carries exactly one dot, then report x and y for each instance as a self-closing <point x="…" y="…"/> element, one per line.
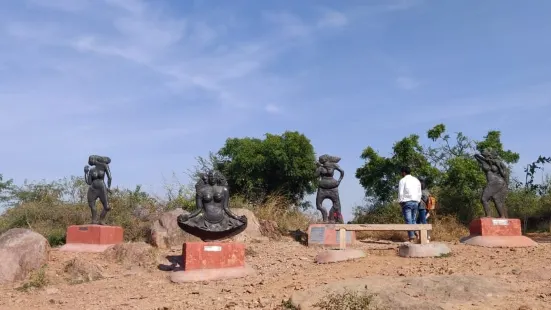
<point x="36" y="280"/>
<point x="349" y="300"/>
<point x="276" y="209"/>
<point x="445" y="228"/>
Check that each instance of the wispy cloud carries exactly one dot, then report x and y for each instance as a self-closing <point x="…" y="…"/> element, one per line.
<point x="272" y="109"/>
<point x="407" y="83"/>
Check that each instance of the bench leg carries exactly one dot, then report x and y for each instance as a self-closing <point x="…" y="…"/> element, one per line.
<point x="424" y="236"/>
<point x="342" y="239"/>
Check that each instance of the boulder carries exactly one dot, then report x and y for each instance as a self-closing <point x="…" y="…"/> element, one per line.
<point x="253" y="230"/>
<point x="165" y="232"/>
<point x="21" y="252"/>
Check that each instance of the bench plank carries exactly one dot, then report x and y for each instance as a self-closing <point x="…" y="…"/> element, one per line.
<point x="383" y="227"/>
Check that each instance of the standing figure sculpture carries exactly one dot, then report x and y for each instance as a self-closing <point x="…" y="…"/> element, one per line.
<point x="497" y="177"/>
<point x="97" y="189"/>
<point x="328" y="187"/>
<point x="212" y="219"/>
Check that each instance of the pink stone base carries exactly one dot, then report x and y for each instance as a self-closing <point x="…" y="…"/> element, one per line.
<point x="332" y="256"/>
<point x="499" y="241"/>
<point x="85" y="247"/>
<point x="198" y="275"/>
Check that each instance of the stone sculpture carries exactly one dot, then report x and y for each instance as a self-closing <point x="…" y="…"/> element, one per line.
<point x="212" y="219"/>
<point x="328" y="188"/>
<point x="97" y="189"/>
<point x="497" y="177"/>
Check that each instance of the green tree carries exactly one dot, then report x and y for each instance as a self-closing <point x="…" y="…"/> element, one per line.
<point x="453" y="174"/>
<point x="379" y="175"/>
<point x="255" y="168"/>
<point x="5" y="189"/>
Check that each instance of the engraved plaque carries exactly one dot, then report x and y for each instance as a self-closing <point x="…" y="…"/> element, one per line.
<point x="500" y="222"/>
<point x="83" y="228"/>
<point x="212" y="248"/>
<point x="317" y="235"/>
<point x="348" y="237"/>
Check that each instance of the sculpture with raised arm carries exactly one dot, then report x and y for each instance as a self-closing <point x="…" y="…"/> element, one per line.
<point x="97" y="189"/>
<point x="212" y="219"/>
<point x="328" y="187"/>
<point x="497" y="176"/>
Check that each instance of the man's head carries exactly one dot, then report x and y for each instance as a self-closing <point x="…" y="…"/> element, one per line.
<point x="405" y="171"/>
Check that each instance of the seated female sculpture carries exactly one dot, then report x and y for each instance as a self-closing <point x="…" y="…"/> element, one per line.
<point x="213" y="219"/>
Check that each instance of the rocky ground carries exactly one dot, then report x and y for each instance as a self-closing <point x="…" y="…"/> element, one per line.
<point x="470" y="278"/>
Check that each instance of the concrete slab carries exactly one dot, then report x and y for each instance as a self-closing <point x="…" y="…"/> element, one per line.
<point x="499" y="241"/>
<point x="332" y="256"/>
<point x="423" y="250"/>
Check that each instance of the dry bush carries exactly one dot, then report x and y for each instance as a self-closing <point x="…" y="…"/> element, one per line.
<point x="277" y="209"/>
<point x="38" y="279"/>
<point x="349" y="300"/>
<point x="448" y="228"/>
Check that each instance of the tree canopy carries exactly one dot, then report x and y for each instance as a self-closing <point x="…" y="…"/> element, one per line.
<point x="256" y="168"/>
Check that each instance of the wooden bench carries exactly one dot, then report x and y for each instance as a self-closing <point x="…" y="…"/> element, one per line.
<point x="422" y="228"/>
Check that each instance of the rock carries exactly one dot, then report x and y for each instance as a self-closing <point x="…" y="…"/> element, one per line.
<point x="21" y="252"/>
<point x="252" y="232"/>
<point x="165" y="232"/>
<point x="403" y="292"/>
<point x="79" y="270"/>
<point x="135" y="254"/>
<point x="270" y="229"/>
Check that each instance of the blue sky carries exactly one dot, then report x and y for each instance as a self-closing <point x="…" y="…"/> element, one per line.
<point x="152" y="84"/>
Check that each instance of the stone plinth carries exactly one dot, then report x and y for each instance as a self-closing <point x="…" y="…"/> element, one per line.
<point x="497" y="232"/>
<point x="488" y="226"/>
<point x="92" y="238"/>
<point x="206" y="261"/>
<point x="327" y="235"/>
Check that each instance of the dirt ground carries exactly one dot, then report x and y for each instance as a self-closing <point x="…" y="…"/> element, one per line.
<point x="282" y="269"/>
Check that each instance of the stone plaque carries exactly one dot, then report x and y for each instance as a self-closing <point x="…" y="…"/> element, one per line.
<point x="348" y="237"/>
<point x="83" y="228"/>
<point x="317" y="235"/>
<point x="212" y="248"/>
<point x="500" y="222"/>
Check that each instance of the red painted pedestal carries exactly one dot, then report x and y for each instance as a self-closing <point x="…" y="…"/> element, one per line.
<point x="497" y="232"/>
<point x="326" y="235"/>
<point x="206" y="261"/>
<point x="92" y="238"/>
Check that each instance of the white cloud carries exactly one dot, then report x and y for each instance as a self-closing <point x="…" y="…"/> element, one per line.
<point x="333" y="19"/>
<point x="407" y="83"/>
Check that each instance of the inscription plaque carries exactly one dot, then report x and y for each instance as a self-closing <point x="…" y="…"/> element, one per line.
<point x="317" y="235"/>
<point x="500" y="222"/>
<point x="348" y="236"/>
<point x="83" y="228"/>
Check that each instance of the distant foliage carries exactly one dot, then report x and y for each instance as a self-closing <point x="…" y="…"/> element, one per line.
<point x="453" y="175"/>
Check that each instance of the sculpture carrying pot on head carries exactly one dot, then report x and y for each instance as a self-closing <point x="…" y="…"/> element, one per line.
<point x="212" y="219"/>
<point x="328" y="188"/>
<point x="97" y="189"/>
<point x="497" y="177"/>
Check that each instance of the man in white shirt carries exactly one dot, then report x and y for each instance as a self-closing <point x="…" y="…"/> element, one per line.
<point x="409" y="196"/>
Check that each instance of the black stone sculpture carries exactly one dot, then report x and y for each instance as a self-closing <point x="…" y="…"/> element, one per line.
<point x="328" y="188"/>
<point x="212" y="219"/>
<point x="95" y="178"/>
<point x="497" y="177"/>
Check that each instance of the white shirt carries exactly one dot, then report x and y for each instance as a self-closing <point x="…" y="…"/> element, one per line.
<point x="409" y="189"/>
